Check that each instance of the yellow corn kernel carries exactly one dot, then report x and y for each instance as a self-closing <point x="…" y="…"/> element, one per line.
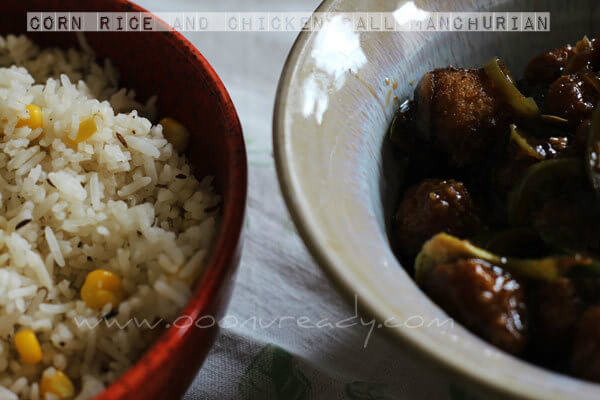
<point x="175" y="133"/>
<point x="100" y="288"/>
<point x="87" y="128"/>
<point x="57" y="384"/>
<point x="28" y="346"/>
<point x="35" y="117"/>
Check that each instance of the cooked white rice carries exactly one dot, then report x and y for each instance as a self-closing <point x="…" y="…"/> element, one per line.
<point x="133" y="209"/>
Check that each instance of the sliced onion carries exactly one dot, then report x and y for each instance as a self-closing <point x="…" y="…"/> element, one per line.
<point x="520" y="140"/>
<point x="444" y="248"/>
<point x="554" y="119"/>
<point x="524" y="106"/>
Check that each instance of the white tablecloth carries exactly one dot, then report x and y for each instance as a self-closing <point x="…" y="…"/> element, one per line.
<point x="288" y="334"/>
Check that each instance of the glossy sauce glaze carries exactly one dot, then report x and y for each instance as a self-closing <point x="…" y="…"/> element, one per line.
<point x="499" y="216"/>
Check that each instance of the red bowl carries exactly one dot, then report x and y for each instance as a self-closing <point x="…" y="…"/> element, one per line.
<point x="188" y="89"/>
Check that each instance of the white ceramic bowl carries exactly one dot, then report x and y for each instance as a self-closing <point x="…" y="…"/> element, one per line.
<point x="331" y="114"/>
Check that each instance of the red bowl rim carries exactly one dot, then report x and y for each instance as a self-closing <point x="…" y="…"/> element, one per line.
<point x="221" y="261"/>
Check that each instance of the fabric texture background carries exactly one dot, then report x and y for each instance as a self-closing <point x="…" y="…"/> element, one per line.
<point x="288" y="333"/>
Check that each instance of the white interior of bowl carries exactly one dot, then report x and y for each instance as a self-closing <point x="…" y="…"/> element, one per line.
<point x="332" y="113"/>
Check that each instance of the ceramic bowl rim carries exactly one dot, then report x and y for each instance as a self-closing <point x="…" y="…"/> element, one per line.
<point x="228" y="243"/>
<point x="328" y="262"/>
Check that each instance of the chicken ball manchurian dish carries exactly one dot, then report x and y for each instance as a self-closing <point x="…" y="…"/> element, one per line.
<point x="500" y="213"/>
